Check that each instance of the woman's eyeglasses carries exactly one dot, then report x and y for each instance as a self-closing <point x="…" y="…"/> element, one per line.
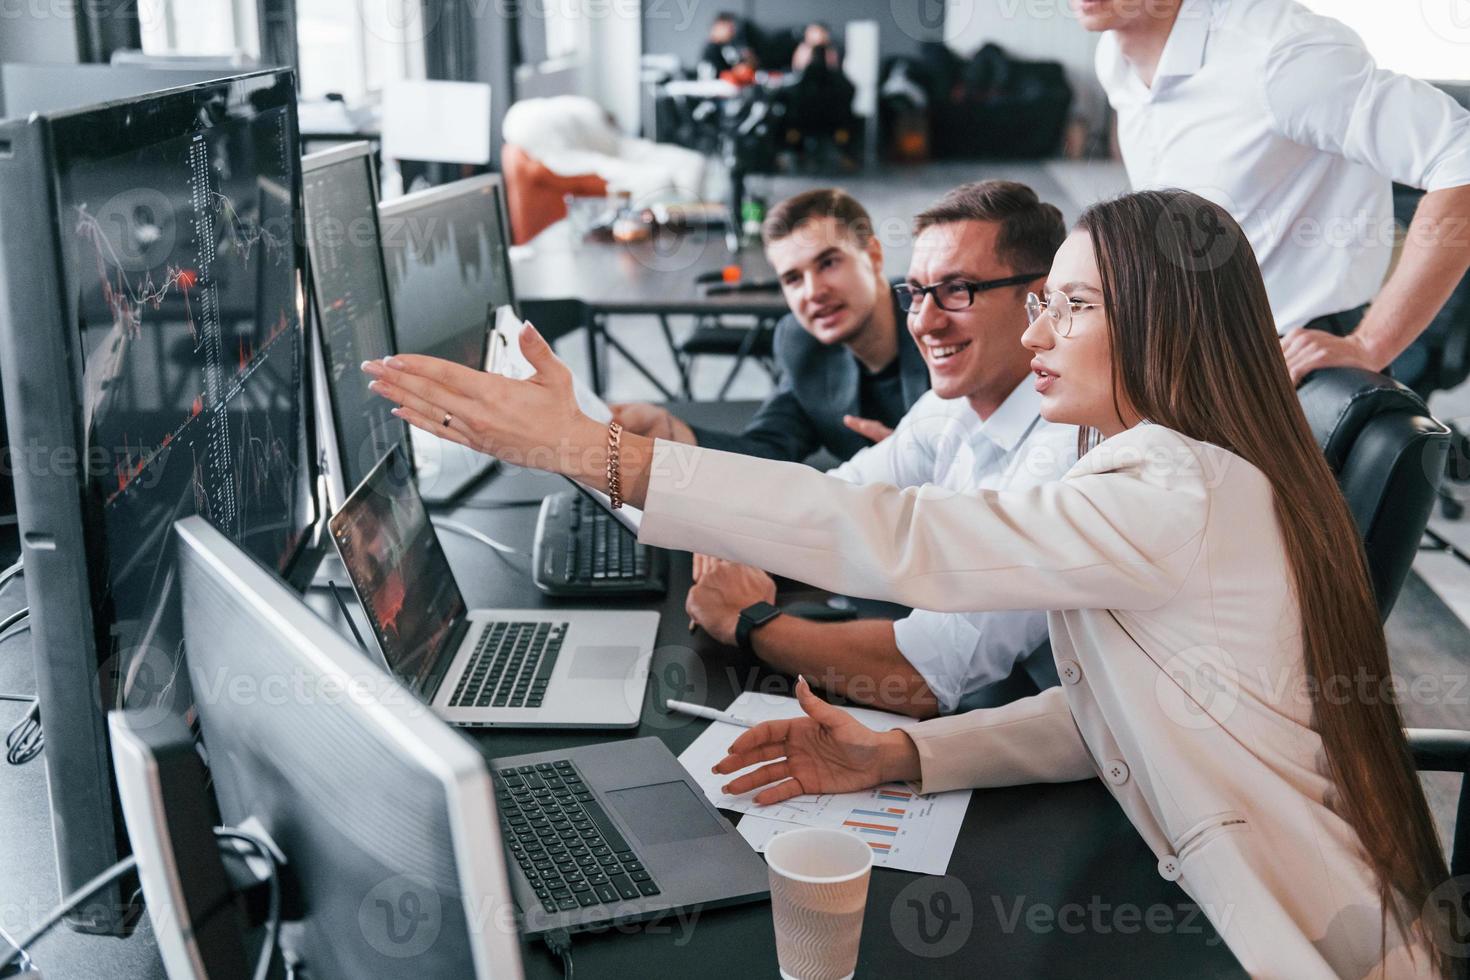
<point x="954" y="295"/>
<point x="1060" y="307"/>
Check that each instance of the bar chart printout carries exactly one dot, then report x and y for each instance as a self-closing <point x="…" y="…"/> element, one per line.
<point x="881" y="827"/>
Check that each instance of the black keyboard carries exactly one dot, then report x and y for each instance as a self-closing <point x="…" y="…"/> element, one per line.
<point x="581" y="549"/>
<point x="559" y="834"/>
<point x="510" y="667"/>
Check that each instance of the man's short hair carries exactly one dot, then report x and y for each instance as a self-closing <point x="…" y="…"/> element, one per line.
<point x="827" y="202"/>
<point x="1031" y="231"/>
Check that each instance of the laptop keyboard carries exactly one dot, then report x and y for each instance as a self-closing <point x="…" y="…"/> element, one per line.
<point x="510" y="667"/>
<point x="561" y="837"/>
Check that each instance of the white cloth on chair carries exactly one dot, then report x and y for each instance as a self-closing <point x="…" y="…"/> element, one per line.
<point x="571" y="135"/>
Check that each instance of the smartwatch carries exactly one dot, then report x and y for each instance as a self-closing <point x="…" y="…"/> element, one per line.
<point x="751" y="617"/>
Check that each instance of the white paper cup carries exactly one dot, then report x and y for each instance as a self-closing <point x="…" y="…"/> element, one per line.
<point x="819" y="888"/>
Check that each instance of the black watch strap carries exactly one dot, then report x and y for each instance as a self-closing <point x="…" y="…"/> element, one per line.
<point x="753" y="616"/>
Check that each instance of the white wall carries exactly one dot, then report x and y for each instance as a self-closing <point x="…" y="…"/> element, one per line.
<point x="613" y="45"/>
<point x="1429" y="41"/>
<point x="605" y="41"/>
<point x="38" y="33"/>
<point x="1035" y="30"/>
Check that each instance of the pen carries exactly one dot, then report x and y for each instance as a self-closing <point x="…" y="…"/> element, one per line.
<point x="713" y="714"/>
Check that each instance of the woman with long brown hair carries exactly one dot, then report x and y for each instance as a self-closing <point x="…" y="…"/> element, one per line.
<point x="1223" y="665"/>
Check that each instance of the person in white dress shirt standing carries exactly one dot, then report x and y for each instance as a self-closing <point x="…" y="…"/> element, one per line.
<point x="1224" y="670"/>
<point x="1280" y="116"/>
<point x="978" y="427"/>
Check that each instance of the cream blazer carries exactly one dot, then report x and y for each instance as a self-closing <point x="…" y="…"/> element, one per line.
<point x="1176" y="635"/>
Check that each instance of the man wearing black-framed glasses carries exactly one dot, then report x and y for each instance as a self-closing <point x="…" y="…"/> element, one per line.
<point x="953" y="295"/>
<point x="978" y="252"/>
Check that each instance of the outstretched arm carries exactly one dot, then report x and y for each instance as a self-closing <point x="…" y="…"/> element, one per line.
<point x="533" y="422"/>
<point x="1121" y="532"/>
<point x="826" y="750"/>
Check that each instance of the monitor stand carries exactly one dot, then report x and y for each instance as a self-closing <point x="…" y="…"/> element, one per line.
<point x="331" y="570"/>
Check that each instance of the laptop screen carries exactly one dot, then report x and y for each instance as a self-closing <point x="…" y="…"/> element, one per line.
<point x="398" y="568"/>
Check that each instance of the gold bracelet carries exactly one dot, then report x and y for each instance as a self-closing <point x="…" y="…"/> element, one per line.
<point x="614" y="475"/>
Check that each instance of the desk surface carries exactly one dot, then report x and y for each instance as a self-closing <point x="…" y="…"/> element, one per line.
<point x="1046" y="881"/>
<point x="656" y="276"/>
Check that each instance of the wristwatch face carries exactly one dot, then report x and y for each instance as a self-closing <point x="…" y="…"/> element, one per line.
<point x="760" y="613"/>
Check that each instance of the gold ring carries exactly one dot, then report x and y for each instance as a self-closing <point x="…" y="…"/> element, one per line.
<point x="447" y="419"/>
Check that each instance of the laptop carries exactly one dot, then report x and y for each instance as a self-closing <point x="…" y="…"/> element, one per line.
<point x="524" y="668"/>
<point x="616" y="832"/>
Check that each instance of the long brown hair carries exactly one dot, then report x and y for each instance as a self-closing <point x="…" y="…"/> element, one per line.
<point x="1194" y="348"/>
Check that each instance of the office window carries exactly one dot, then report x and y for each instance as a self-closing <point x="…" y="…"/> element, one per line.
<point x="1425" y="39"/>
<point x="212" y="28"/>
<point x="563" y="26"/>
<point x="355" y="47"/>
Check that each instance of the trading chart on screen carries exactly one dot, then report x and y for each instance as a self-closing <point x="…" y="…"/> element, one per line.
<point x="186" y="275"/>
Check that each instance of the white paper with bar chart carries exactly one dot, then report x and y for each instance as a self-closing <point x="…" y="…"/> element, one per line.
<point x="906" y="831"/>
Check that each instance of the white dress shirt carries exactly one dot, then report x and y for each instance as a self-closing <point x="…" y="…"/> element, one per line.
<point x="1176" y="636"/>
<point x="943" y="443"/>
<point x="1281" y="117"/>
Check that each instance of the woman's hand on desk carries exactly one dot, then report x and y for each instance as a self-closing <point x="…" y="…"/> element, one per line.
<point x="827" y="751"/>
<point x="534" y="422"/>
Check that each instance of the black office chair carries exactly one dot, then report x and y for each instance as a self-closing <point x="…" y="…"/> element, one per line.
<point x="1438" y="360"/>
<point x="819" y="122"/>
<point x="1447" y="750"/>
<point x="1032" y="674"/>
<point x="713" y="336"/>
<point x="1388" y="454"/>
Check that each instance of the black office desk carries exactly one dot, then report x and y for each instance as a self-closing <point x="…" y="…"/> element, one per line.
<point x="596" y="280"/>
<point x="1055" y="880"/>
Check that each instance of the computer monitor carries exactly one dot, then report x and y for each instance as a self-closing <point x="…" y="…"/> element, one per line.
<point x="354" y="319"/>
<point x="152" y="343"/>
<point x="385" y="815"/>
<point x="447" y="255"/>
<point x="26" y="88"/>
<point x="447" y="252"/>
<point x="198" y="918"/>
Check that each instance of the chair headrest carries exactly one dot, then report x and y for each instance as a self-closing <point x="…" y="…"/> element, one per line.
<point x="1338" y="402"/>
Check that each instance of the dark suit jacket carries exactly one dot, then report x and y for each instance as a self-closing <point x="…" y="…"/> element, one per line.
<point x="818" y="385"/>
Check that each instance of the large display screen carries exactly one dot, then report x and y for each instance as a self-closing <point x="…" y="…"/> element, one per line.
<point x="446" y="252"/>
<point x="352" y="301"/>
<point x="179" y="227"/>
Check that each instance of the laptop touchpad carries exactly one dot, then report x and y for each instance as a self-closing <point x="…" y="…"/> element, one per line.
<point x="595" y="662"/>
<point x="664" y="813"/>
